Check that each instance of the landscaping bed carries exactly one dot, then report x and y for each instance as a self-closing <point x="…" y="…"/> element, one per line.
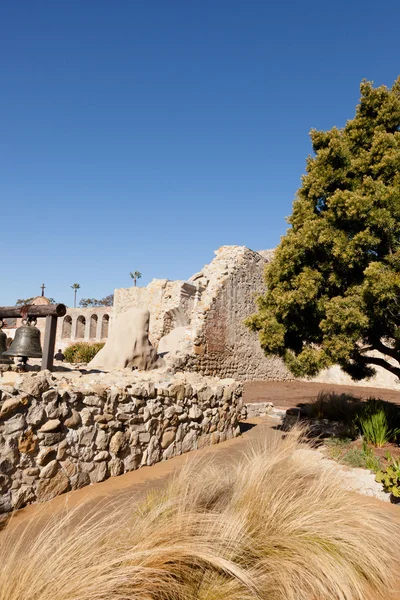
<point x="355" y="433"/>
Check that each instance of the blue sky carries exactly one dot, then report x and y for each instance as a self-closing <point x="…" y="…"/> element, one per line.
<point x="143" y="135"/>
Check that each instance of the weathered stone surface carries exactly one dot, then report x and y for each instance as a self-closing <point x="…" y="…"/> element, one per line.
<point x="33" y="384"/>
<point x="167" y="438"/>
<point x="42" y="454"/>
<point x="49" y="470"/>
<point x="115" y="467"/>
<point x="117" y="442"/>
<point x="27" y="442"/>
<point x="99" y="473"/>
<point x="189" y="442"/>
<point x="100" y="456"/>
<point x="36" y="415"/>
<point x="9" y="407"/>
<point x="45" y="456"/>
<point x="50" y="426"/>
<point x="195" y="412"/>
<point x="79" y="480"/>
<point x="50" y="488"/>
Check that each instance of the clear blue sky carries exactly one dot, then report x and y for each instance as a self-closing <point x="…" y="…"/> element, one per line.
<point x="143" y="135"/>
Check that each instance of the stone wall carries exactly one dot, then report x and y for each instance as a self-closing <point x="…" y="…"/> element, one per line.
<point x="59" y="434"/>
<point x="161" y="297"/>
<point x="222" y="344"/>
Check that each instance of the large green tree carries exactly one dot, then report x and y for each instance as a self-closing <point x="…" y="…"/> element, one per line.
<point x="333" y="286"/>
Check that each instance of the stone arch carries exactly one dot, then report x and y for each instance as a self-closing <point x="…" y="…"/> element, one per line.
<point x="93" y="327"/>
<point x="80" y="327"/>
<point x="67" y="327"/>
<point x="104" y="326"/>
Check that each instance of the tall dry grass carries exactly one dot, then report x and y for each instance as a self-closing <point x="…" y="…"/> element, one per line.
<point x="271" y="526"/>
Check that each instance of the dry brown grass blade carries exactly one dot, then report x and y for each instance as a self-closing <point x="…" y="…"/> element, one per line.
<point x="273" y="525"/>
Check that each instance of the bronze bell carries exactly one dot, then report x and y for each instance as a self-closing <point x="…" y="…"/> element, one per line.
<point x="4" y="360"/>
<point x="26" y="341"/>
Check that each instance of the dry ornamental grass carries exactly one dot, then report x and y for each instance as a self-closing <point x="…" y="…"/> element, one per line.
<point x="273" y="526"/>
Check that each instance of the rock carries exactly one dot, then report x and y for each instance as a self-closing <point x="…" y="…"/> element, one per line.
<point x="45" y="456"/>
<point x="93" y="401"/>
<point x="153" y="451"/>
<point x="14" y="424"/>
<point x="170" y="411"/>
<point x="79" y="480"/>
<point x="5" y="503"/>
<point x="115" y="467"/>
<point x="195" y="412"/>
<point x="62" y="450"/>
<point x="100" y="391"/>
<point x="49" y="470"/>
<point x="50" y="396"/>
<point x="99" y="473"/>
<point x="167" y="438"/>
<point x="35" y="415"/>
<point x="27" y="442"/>
<point x="101" y="440"/>
<point x="33" y="384"/>
<point x="74" y="420"/>
<point x="100" y="456"/>
<point x="86" y="416"/>
<point x="50" y="426"/>
<point x="70" y="468"/>
<point x="49" y="439"/>
<point x="117" y="442"/>
<point x="9" y="407"/>
<point x="132" y="462"/>
<point x="50" y="488"/>
<point x="189" y="442"/>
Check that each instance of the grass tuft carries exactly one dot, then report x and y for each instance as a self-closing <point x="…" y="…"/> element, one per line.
<point x="273" y="525"/>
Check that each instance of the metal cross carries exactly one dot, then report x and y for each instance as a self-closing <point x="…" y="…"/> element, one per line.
<point x="43" y="288"/>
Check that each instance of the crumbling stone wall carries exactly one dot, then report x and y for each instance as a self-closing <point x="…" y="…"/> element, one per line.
<point x="58" y="435"/>
<point x="222" y="344"/>
<point x="159" y="297"/>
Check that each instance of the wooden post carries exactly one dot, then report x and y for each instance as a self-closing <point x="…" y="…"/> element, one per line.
<point x="49" y="342"/>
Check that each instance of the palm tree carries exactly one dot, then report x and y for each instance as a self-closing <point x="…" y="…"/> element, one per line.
<point x="135" y="276"/>
<point x="75" y="287"/>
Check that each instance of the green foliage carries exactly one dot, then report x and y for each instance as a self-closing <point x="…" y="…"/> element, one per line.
<point x="92" y="302"/>
<point x="362" y="457"/>
<point x="333" y="286"/>
<point x="378" y="422"/>
<point x="390" y="478"/>
<point x="82" y="352"/>
<point x="135" y="276"/>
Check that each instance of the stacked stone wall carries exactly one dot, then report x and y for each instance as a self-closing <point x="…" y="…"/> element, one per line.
<point x="59" y="435"/>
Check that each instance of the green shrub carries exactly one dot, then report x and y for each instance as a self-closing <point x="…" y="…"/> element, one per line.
<point x="362" y="457"/>
<point x="82" y="352"/>
<point x="390" y="478"/>
<point x="378" y="422"/>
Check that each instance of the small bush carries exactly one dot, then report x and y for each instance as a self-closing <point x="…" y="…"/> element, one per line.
<point x="390" y="478"/>
<point x="82" y="352"/>
<point x="363" y="458"/>
<point x="378" y="421"/>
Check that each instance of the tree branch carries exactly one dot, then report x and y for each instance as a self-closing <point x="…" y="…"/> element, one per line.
<point x="379" y="362"/>
<point x="381" y="347"/>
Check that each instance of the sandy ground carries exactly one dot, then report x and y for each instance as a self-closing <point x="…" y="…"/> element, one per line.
<point x="287" y="394"/>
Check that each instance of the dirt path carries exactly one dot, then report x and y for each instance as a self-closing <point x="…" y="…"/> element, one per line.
<point x="287" y="394"/>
